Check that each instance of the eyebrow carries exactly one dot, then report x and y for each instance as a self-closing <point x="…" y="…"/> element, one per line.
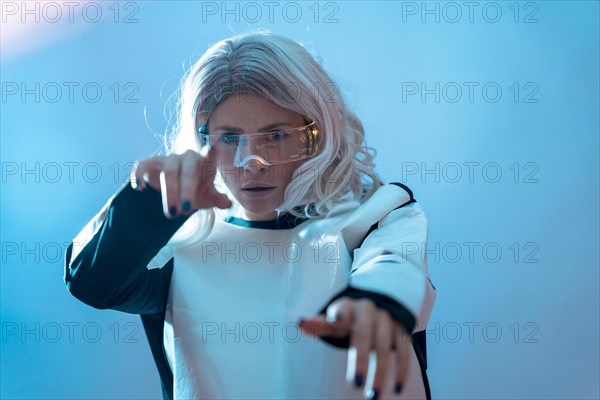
<point x="264" y="128"/>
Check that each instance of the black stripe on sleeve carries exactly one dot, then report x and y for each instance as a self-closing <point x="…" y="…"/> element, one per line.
<point x="403" y="186"/>
<point x="420" y="348"/>
<point x="153" y="326"/>
<point x="396" y="310"/>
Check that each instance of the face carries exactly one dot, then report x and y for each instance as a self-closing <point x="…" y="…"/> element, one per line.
<point x="247" y="114"/>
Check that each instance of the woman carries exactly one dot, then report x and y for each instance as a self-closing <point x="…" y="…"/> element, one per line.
<point x="263" y="253"/>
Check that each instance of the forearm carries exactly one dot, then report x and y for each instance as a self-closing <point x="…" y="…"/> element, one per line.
<point x="105" y="263"/>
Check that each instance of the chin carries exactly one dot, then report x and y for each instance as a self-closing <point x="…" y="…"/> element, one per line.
<point x="260" y="211"/>
<point x="260" y="208"/>
<point x="260" y="205"/>
<point x="256" y="207"/>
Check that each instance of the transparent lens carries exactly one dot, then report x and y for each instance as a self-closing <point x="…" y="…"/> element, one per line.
<point x="274" y="147"/>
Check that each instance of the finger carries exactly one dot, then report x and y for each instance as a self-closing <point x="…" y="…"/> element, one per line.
<point x="136" y="176"/>
<point x="169" y="184"/>
<point x="145" y="172"/>
<point x="336" y="322"/>
<point x="403" y="356"/>
<point x="319" y="326"/>
<point x="341" y="310"/>
<point x="384" y="336"/>
<point x="207" y="194"/>
<point x="361" y="337"/>
<point x="189" y="181"/>
<point x="209" y="163"/>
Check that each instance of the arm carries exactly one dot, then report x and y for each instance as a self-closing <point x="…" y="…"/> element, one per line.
<point x="384" y="271"/>
<point x="105" y="265"/>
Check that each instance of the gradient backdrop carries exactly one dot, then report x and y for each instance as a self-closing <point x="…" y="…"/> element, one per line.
<point x="489" y="111"/>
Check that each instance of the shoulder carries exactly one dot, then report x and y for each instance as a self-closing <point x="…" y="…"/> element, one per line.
<point x="406" y="191"/>
<point x="399" y="203"/>
<point x="399" y="216"/>
<point x="390" y="196"/>
<point x="391" y="205"/>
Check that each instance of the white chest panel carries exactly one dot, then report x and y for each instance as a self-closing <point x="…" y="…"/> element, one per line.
<point x="232" y="311"/>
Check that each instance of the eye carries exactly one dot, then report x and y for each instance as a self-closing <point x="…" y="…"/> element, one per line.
<point x="229" y="138"/>
<point x="278" y="135"/>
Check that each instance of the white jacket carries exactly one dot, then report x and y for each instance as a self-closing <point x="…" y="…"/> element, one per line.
<point x="220" y="315"/>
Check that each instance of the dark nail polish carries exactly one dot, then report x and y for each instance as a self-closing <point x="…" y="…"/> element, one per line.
<point x="173" y="211"/>
<point x="398" y="388"/>
<point x="185" y="205"/>
<point x="374" y="395"/>
<point x="358" y="380"/>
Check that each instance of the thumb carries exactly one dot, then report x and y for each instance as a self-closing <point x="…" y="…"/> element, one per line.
<point x="222" y="201"/>
<point x="342" y="312"/>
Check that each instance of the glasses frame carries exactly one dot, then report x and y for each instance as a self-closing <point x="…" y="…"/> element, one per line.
<point x="310" y="127"/>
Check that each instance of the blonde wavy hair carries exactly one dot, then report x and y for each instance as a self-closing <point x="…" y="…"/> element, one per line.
<point x="265" y="64"/>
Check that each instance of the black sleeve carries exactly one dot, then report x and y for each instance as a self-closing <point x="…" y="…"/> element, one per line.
<point x="110" y="270"/>
<point x="396" y="310"/>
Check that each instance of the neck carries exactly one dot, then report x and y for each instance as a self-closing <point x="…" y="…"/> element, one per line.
<point x="272" y="216"/>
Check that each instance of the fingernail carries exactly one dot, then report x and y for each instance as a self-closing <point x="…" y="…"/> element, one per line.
<point x="358" y="380"/>
<point x="173" y="211"/>
<point x="374" y="395"/>
<point x="398" y="388"/>
<point x="185" y="205"/>
<point x="339" y="316"/>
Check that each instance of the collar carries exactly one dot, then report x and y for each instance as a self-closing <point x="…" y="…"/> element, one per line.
<point x="286" y="221"/>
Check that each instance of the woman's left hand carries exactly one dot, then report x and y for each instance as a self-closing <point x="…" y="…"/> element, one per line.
<point x="369" y="328"/>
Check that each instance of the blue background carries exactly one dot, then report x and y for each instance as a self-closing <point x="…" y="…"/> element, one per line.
<point x="534" y="313"/>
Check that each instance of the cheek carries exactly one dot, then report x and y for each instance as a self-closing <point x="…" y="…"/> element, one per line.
<point x="286" y="172"/>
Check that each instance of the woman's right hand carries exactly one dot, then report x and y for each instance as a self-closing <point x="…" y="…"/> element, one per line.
<point x="186" y="181"/>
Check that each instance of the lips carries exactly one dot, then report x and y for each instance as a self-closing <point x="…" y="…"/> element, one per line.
<point x="257" y="192"/>
<point x="257" y="187"/>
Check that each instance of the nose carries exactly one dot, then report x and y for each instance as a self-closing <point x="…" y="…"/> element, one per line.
<point x="254" y="165"/>
<point x="246" y="157"/>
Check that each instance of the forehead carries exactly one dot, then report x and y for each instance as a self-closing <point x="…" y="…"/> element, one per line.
<point x="249" y="111"/>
